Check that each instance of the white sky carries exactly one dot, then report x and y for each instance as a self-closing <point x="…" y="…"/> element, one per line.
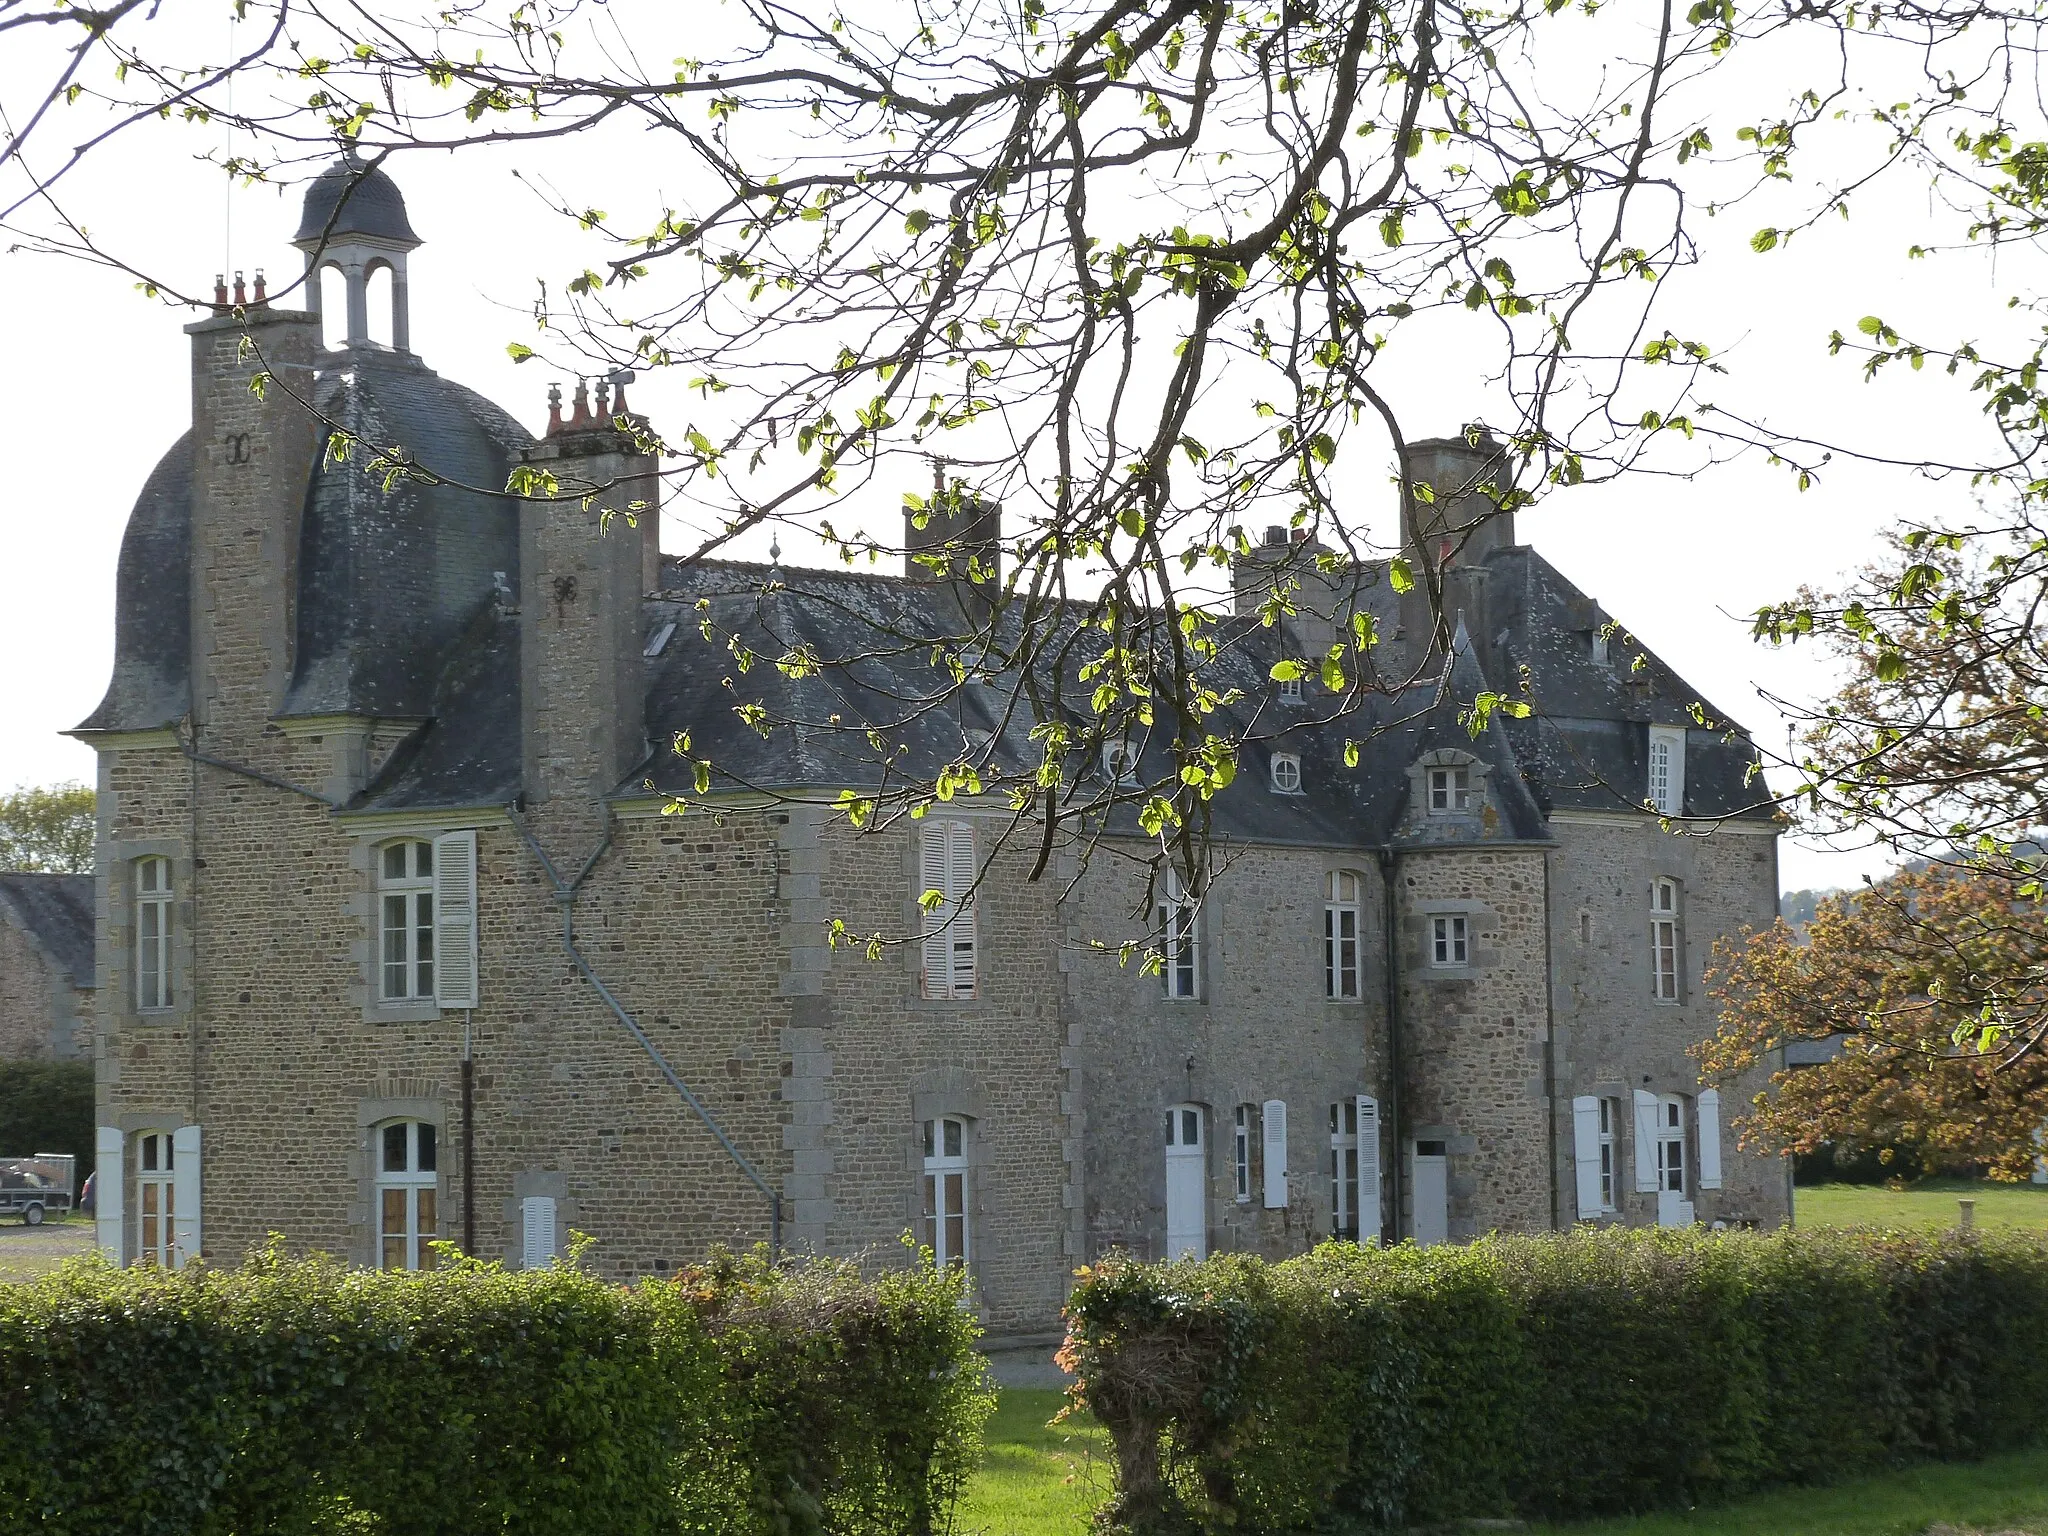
<point x="93" y="389"/>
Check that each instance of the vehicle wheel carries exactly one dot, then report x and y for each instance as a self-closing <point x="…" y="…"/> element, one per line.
<point x="32" y="1217"/>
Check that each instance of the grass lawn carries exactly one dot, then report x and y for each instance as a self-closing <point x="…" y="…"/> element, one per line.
<point x="26" y="1252"/>
<point x="1037" y="1481"/>
<point x="1929" y="1203"/>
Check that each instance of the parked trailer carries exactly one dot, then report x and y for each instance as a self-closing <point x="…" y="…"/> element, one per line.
<point x="35" y="1187"/>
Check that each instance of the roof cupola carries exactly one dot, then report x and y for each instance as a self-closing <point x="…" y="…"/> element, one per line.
<point x="354" y="221"/>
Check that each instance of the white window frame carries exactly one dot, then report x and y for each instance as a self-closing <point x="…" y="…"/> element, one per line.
<point x="1292" y="692"/>
<point x="1344" y="1204"/>
<point x="1450" y="941"/>
<point x="405" y="1207"/>
<point x="1671" y="1158"/>
<point x="1664" y="937"/>
<point x="155" y="922"/>
<point x="1664" y="789"/>
<point x="1450" y="790"/>
<point x="405" y="921"/>
<point x="1343" y="920"/>
<point x="156" y="1199"/>
<point x="947" y="863"/>
<point x="1610" y="1165"/>
<point x="1285" y="772"/>
<point x="1120" y="761"/>
<point x="1180" y="941"/>
<point x="946" y="1185"/>
<point x="1241" y="1155"/>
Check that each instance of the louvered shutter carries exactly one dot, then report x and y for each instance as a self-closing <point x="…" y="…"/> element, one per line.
<point x="185" y="1192"/>
<point x="1646" y="1143"/>
<point x="536" y="1231"/>
<point x="960" y="872"/>
<point x="931" y="876"/>
<point x="1708" y="1113"/>
<point x="1368" y="1170"/>
<point x="1586" y="1154"/>
<point x="455" y="920"/>
<point x="1274" y="1120"/>
<point x="110" y="1210"/>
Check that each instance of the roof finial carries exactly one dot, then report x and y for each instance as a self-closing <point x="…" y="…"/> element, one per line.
<point x="580" y="416"/>
<point x="554" y="409"/>
<point x="774" y="552"/>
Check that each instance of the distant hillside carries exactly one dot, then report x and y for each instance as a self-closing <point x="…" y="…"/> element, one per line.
<point x="1798" y="907"/>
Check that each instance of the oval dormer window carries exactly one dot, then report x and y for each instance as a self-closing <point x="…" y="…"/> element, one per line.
<point x="1286" y="773"/>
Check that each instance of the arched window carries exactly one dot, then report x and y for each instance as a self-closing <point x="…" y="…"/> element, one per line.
<point x="155" y="1200"/>
<point x="153" y="912"/>
<point x="405" y="888"/>
<point x="408" y="1194"/>
<point x="945" y="1191"/>
<point x="1340" y="935"/>
<point x="1664" y="940"/>
<point x="377" y="282"/>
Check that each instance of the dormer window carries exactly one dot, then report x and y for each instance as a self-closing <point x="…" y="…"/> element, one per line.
<point x="1286" y="773"/>
<point x="1450" y="791"/>
<point x="1600" y="645"/>
<point x="1665" y="791"/>
<point x="1291" y="691"/>
<point x="1120" y="762"/>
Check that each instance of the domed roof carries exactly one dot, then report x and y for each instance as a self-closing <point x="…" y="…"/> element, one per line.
<point x="352" y="198"/>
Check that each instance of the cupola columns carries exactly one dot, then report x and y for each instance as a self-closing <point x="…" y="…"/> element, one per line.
<point x="355" y="223"/>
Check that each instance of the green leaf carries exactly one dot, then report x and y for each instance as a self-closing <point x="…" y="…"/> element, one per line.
<point x="519" y="352"/>
<point x="1764" y="240"/>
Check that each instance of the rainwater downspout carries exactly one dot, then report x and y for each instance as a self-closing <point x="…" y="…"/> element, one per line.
<point x="1392" y="945"/>
<point x="565" y="897"/>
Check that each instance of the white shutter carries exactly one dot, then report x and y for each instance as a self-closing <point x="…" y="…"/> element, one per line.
<point x="536" y="1231"/>
<point x="1708" y="1112"/>
<point x="455" y="920"/>
<point x="110" y="1213"/>
<point x="185" y="1192"/>
<point x="931" y="876"/>
<point x="1274" y="1119"/>
<point x="960" y="872"/>
<point x="1368" y="1170"/>
<point x="1646" y="1143"/>
<point x="1586" y="1154"/>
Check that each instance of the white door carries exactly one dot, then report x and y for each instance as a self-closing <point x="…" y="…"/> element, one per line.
<point x="1673" y="1209"/>
<point x="1432" y="1190"/>
<point x="1187" y="1184"/>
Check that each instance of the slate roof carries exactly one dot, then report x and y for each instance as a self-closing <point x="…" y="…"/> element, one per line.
<point x="57" y="911"/>
<point x="369" y="202"/>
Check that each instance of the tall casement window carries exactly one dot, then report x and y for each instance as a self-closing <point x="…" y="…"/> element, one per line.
<point x="1344" y="1169"/>
<point x="946" y="870"/>
<point x="405" y="891"/>
<point x="945" y="1191"/>
<point x="1666" y="788"/>
<point x="153" y="897"/>
<point x="1450" y="791"/>
<point x="1340" y="935"/>
<point x="1608" y="1111"/>
<point x="1179" y="939"/>
<point x="1594" y="1155"/>
<point x="156" y="1199"/>
<point x="1241" y="1155"/>
<point x="1671" y="1144"/>
<point x="1664" y="940"/>
<point x="1450" y="940"/>
<point x="408" y="1190"/>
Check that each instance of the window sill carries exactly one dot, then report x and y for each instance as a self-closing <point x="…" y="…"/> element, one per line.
<point x="177" y="1013"/>
<point x="410" y="1011"/>
<point x="1450" y="973"/>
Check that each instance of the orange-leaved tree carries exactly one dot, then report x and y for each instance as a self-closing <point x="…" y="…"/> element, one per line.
<point x="1931" y="984"/>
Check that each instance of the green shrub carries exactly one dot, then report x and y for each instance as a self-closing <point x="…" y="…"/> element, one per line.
<point x="1577" y="1374"/>
<point x="300" y="1396"/>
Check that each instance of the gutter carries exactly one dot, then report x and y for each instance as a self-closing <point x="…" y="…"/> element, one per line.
<point x="565" y="896"/>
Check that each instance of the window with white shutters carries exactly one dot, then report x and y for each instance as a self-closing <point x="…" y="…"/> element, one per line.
<point x="455" y="920"/>
<point x="1664" y="941"/>
<point x="946" y="1228"/>
<point x="1593" y="1152"/>
<point x="536" y="1231"/>
<point x="405" y="907"/>
<point x="1344" y="1169"/>
<point x="408" y="1188"/>
<point x="153" y="909"/>
<point x="1608" y="1113"/>
<point x="946" y="872"/>
<point x="156" y="1199"/>
<point x="1666" y="788"/>
<point x="1273" y="1118"/>
<point x="1179" y="940"/>
<point x="1671" y="1144"/>
<point x="1340" y="935"/>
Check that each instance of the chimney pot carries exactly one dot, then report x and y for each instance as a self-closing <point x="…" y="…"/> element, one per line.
<point x="554" y="409"/>
<point x="220" y="292"/>
<point x="261" y="296"/>
<point x="1275" y="534"/>
<point x="240" y="297"/>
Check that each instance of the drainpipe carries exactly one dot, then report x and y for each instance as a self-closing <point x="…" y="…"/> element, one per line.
<point x="1393" y="950"/>
<point x="565" y="896"/>
<point x="468" y="1138"/>
<point x="1550" y="1049"/>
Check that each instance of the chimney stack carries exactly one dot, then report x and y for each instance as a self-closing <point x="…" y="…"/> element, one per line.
<point x="960" y="544"/>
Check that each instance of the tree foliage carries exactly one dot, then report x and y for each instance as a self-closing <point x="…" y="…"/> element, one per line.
<point x="48" y="830"/>
<point x="1931" y="984"/>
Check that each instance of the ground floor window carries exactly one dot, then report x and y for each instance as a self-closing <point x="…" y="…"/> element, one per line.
<point x="945" y="1191"/>
<point x="1671" y="1144"/>
<point x="408" y="1195"/>
<point x="156" y="1199"/>
<point x="1344" y="1169"/>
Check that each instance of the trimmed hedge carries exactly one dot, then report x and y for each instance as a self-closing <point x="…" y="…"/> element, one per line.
<point x="1578" y="1374"/>
<point x="301" y="1396"/>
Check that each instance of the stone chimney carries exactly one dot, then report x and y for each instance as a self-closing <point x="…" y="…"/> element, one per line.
<point x="252" y="459"/>
<point x="1461" y="522"/>
<point x="583" y="570"/>
<point x="965" y="535"/>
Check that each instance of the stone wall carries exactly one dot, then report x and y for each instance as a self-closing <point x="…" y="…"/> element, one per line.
<point x="28" y="988"/>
